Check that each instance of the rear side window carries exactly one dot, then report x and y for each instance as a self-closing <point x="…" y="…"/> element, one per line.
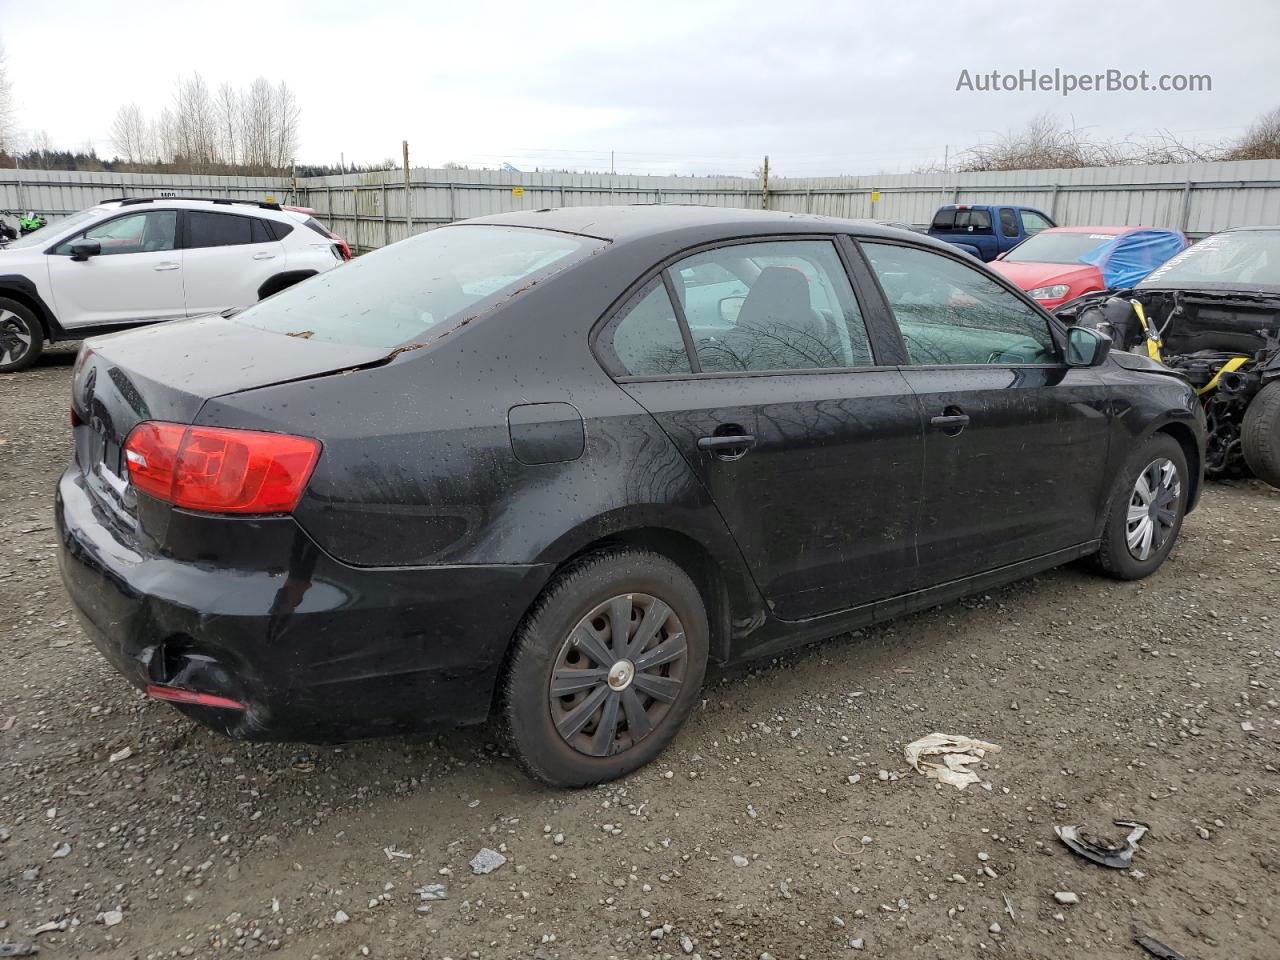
<point x="646" y="336"/>
<point x="772" y="306"/>
<point x="262" y="232"/>
<point x="221" y="229"/>
<point x="944" y="219"/>
<point x="280" y="228"/>
<point x="974" y="221"/>
<point x="1008" y="222"/>
<point x="402" y="292"/>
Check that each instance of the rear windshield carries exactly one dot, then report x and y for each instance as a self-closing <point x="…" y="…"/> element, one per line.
<point x="313" y="224"/>
<point x="1057" y="247"/>
<point x="401" y="292"/>
<point x="1247" y="258"/>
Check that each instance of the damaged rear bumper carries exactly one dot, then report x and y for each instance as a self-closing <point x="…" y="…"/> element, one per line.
<point x="314" y="649"/>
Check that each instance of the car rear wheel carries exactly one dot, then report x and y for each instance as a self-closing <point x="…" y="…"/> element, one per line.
<point x="605" y="668"/>
<point x="21" y="337"/>
<point x="1260" y="434"/>
<point x="1147" y="506"/>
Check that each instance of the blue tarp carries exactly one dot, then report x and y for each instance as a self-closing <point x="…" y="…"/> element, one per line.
<point x="1127" y="259"/>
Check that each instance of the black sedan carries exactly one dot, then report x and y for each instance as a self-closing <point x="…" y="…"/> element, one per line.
<point x="548" y="465"/>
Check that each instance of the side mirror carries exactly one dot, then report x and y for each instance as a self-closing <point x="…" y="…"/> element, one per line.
<point x="84" y="249"/>
<point x="730" y="308"/>
<point x="1086" y="347"/>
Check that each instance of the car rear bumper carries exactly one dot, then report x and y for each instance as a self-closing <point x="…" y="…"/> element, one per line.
<point x="316" y="650"/>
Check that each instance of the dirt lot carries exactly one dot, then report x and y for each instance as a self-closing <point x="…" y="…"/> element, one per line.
<point x="132" y="833"/>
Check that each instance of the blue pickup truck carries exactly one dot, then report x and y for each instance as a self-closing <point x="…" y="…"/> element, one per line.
<point x="987" y="230"/>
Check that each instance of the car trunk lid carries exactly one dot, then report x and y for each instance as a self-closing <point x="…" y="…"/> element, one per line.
<point x="168" y="372"/>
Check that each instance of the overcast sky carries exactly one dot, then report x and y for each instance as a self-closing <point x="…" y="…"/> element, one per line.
<point x="688" y="87"/>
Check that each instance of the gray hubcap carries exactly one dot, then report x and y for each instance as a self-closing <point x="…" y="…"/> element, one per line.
<point x="15" y="337"/>
<point x="617" y="674"/>
<point x="1153" y="509"/>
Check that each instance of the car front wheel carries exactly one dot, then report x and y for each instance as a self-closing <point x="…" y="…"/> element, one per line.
<point x="1148" y="502"/>
<point x="21" y="337"/>
<point x="605" y="668"/>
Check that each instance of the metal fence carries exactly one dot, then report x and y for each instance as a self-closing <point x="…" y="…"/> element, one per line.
<point x="372" y="210"/>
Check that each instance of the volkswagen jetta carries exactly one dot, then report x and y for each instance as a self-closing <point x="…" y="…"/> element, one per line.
<point x="547" y="465"/>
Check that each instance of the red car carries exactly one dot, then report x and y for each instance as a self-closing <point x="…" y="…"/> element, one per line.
<point x="1061" y="263"/>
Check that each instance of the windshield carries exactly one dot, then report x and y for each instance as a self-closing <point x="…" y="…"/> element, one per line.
<point x="1250" y="257"/>
<point x="1067" y="247"/>
<point x="399" y="293"/>
<point x="54" y="230"/>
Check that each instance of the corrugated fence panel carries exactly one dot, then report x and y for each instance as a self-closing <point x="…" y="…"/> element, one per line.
<point x="374" y="209"/>
<point x="57" y="193"/>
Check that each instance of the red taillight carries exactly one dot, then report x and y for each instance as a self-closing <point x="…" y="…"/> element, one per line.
<point x="218" y="469"/>
<point x="76" y="420"/>
<point x="160" y="691"/>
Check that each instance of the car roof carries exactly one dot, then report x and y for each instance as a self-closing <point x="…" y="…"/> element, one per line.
<point x="988" y="206"/>
<point x="647" y="221"/>
<point x="1244" y="229"/>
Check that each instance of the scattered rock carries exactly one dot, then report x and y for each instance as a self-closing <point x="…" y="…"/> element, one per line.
<point x="739" y="860"/>
<point x="487" y="861"/>
<point x="341" y="917"/>
<point x="1066" y="897"/>
<point x="119" y="755"/>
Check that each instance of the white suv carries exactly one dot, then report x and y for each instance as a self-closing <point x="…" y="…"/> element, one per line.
<point x="134" y="261"/>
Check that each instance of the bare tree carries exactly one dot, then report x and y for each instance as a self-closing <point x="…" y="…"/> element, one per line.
<point x="1260" y="142"/>
<point x="129" y="134"/>
<point x="40" y="148"/>
<point x="195" y="123"/>
<point x="257" y="135"/>
<point x="284" y="126"/>
<point x="7" y="115"/>
<point x="164" y="138"/>
<point x="229" y="124"/>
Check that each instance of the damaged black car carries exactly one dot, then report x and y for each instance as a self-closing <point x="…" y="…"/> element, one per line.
<point x="546" y="466"/>
<point x="1212" y="313"/>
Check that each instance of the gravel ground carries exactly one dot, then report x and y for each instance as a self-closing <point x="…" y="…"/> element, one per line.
<point x="783" y="821"/>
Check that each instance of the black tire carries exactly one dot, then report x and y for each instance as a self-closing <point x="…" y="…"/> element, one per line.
<point x="21" y="336"/>
<point x="1260" y="434"/>
<point x="543" y="649"/>
<point x="1115" y="557"/>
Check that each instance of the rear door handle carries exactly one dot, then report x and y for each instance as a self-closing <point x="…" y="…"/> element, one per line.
<point x="727" y="447"/>
<point x="165" y="266"/>
<point x="952" y="421"/>
<point x="264" y="256"/>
